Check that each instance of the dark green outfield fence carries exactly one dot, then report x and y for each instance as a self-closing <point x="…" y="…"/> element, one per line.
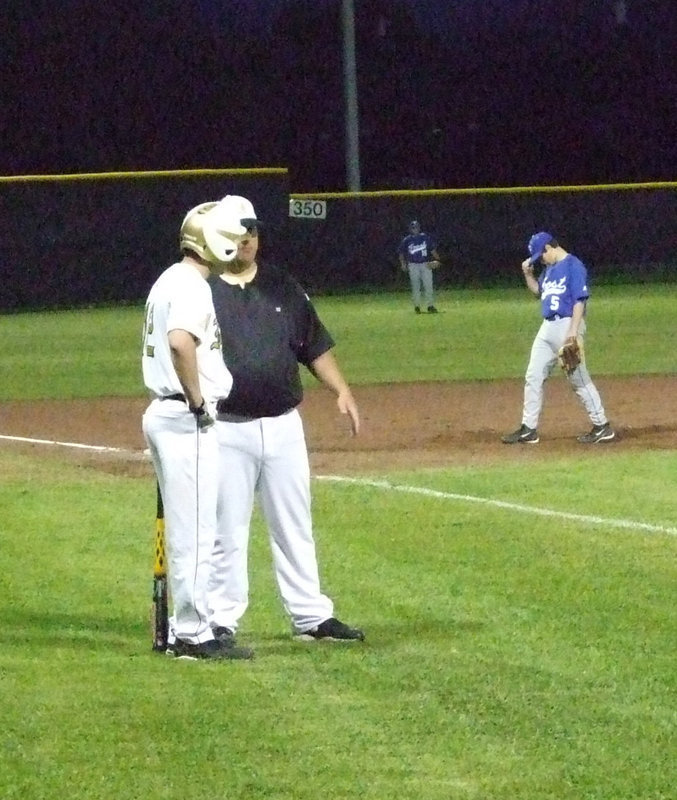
<point x="80" y="240"/>
<point x="625" y="233"/>
<point x="103" y="238"/>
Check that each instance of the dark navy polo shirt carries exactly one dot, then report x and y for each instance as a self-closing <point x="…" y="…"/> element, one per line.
<point x="268" y="328"/>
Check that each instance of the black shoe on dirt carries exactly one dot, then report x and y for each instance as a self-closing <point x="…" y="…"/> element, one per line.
<point x="523" y="435"/>
<point x="599" y="433"/>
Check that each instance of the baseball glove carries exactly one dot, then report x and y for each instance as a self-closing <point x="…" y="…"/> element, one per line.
<point x="434" y="264"/>
<point x="570" y="355"/>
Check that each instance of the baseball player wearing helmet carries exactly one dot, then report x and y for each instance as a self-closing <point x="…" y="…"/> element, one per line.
<point x="563" y="291"/>
<point x="269" y="327"/>
<point x="184" y="371"/>
<point x="418" y="255"/>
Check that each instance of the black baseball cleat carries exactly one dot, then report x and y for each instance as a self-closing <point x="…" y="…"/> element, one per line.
<point x="432" y="310"/>
<point x="222" y="634"/>
<point x="214" y="649"/>
<point x="599" y="433"/>
<point x="523" y="435"/>
<point x="226" y="638"/>
<point x="332" y="630"/>
<point x="417" y="310"/>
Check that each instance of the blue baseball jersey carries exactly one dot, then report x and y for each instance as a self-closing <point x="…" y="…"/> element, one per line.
<point x="417" y="248"/>
<point x="561" y="286"/>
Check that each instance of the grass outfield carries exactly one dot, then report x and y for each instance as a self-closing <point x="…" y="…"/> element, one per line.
<point x="521" y="629"/>
<point x="481" y="334"/>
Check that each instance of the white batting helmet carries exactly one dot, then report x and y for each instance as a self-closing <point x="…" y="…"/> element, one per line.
<point x="212" y="231"/>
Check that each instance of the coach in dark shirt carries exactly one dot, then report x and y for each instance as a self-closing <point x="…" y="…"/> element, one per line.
<point x="268" y="327"/>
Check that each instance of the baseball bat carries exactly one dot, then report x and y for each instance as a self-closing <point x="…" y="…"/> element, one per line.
<point x="159" y="608"/>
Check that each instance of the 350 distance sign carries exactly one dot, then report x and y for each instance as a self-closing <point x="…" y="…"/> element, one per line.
<point x="308" y="209"/>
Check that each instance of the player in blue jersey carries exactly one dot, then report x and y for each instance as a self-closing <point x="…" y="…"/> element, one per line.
<point x="418" y="255"/>
<point x="563" y="291"/>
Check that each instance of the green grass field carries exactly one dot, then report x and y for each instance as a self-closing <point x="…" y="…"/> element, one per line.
<point x="520" y="628"/>
<point x="480" y="334"/>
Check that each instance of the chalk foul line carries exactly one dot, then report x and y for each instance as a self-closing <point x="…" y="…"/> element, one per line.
<point x="534" y="510"/>
<point x="626" y="524"/>
<point x="101" y="448"/>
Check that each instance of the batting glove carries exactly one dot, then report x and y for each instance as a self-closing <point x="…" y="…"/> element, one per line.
<point x="203" y="418"/>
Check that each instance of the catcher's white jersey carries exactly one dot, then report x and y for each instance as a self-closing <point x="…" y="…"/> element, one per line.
<point x="181" y="299"/>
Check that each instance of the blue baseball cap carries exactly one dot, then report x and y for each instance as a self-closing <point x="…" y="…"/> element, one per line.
<point x="537" y="245"/>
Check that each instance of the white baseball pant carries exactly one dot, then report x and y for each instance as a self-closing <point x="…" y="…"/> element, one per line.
<point x="185" y="461"/>
<point x="421" y="279"/>
<point x="267" y="456"/>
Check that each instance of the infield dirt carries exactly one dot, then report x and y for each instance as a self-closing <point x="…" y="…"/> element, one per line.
<point x="404" y="425"/>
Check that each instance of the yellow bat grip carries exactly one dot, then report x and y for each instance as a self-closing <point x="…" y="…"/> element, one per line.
<point x="160" y="568"/>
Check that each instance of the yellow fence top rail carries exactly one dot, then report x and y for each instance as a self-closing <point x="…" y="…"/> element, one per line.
<point x="488" y="190"/>
<point x="162" y="173"/>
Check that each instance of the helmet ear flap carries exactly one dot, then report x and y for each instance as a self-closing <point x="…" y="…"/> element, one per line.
<point x="219" y="246"/>
<point x="222" y="230"/>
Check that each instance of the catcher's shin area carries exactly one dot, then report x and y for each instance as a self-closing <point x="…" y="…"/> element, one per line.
<point x="159" y="608"/>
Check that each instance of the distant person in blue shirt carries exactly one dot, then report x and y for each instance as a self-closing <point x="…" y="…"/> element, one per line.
<point x="418" y="255"/>
<point x="562" y="287"/>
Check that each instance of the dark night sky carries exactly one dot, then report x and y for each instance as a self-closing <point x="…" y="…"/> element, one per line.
<point x="451" y="92"/>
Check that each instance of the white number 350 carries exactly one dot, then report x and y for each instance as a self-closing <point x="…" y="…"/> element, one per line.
<point x="308" y="209"/>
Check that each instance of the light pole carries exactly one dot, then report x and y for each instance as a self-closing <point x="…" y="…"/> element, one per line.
<point x="350" y="97"/>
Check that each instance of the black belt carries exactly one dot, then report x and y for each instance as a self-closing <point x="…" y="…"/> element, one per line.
<point x="554" y="317"/>
<point x="181" y="397"/>
<point x="222" y="408"/>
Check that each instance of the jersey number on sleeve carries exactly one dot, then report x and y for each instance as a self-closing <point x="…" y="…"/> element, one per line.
<point x="148" y="348"/>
